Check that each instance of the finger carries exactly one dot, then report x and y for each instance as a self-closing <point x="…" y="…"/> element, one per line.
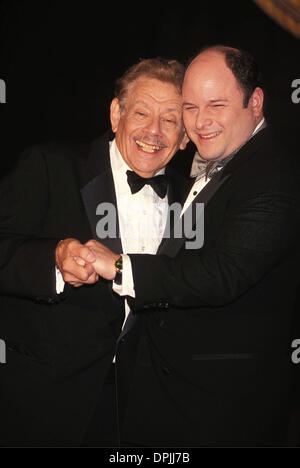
<point x="69" y="278"/>
<point x="74" y="281"/>
<point x="80" y="277"/>
<point x="85" y="254"/>
<point x="94" y="246"/>
<point x="75" y="284"/>
<point x="79" y="261"/>
<point x="65" y="249"/>
<point x="73" y="271"/>
<point x="92" y="279"/>
<point x="73" y="248"/>
<point x="91" y="243"/>
<point x="82" y="273"/>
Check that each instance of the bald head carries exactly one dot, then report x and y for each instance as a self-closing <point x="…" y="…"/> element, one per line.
<point x="243" y="66"/>
<point x="215" y="115"/>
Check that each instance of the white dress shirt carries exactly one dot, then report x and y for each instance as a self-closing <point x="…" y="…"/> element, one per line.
<point x="142" y="216"/>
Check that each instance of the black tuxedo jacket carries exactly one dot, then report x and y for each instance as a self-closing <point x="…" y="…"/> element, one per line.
<point x="214" y="360"/>
<point x="58" y="348"/>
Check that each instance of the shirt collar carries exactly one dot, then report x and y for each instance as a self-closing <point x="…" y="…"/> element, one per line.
<point x="201" y="167"/>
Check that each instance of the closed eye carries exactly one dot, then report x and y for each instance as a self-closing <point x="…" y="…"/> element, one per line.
<point x="187" y="107"/>
<point x="219" y="103"/>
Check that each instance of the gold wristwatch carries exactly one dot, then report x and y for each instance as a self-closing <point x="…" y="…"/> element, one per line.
<point x="119" y="270"/>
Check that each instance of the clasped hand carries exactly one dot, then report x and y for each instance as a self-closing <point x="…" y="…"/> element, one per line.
<point x="83" y="263"/>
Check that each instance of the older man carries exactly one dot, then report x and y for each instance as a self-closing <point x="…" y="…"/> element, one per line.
<point x="214" y="365"/>
<point x="57" y="386"/>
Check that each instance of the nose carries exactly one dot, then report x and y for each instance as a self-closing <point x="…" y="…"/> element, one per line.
<point x="154" y="125"/>
<point x="203" y="119"/>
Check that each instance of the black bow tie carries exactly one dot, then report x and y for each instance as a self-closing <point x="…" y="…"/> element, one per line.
<point x="158" y="183"/>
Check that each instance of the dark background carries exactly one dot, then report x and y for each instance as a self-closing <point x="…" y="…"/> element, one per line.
<point x="60" y="59"/>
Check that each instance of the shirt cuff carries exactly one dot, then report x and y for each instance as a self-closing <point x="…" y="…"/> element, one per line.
<point x="127" y="286"/>
<point x="60" y="284"/>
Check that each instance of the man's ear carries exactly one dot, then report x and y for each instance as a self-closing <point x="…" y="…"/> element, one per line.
<point x="184" y="141"/>
<point x="256" y="102"/>
<point x="115" y="114"/>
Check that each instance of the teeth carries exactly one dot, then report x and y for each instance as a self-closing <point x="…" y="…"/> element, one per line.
<point x="211" y="135"/>
<point x="147" y="148"/>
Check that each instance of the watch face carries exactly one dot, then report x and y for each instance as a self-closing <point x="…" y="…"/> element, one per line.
<point x="119" y="263"/>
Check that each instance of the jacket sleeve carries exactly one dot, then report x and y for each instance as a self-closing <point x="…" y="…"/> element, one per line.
<point x="27" y="256"/>
<point x="258" y="232"/>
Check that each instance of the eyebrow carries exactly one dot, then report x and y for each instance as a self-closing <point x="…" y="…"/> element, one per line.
<point x="173" y="109"/>
<point x="169" y="109"/>
<point x="212" y="101"/>
<point x="218" y="100"/>
<point x="143" y="103"/>
<point x="186" y="103"/>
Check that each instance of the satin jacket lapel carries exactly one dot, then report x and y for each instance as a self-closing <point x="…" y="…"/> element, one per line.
<point x="99" y="189"/>
<point x="247" y="151"/>
<point x="172" y="246"/>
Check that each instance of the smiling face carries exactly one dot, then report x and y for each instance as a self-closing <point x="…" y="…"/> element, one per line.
<point x="149" y="128"/>
<point x="213" y="112"/>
